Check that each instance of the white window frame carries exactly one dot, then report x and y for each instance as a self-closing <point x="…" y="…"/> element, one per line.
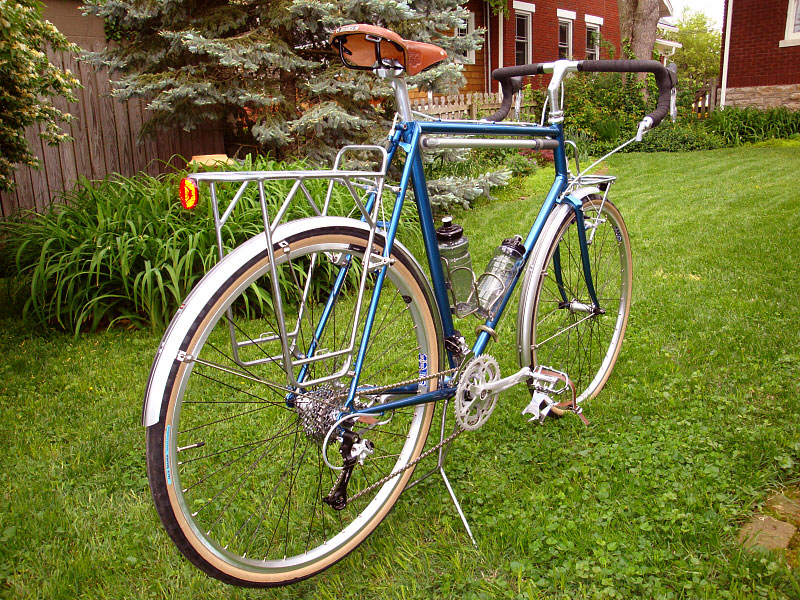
<point x="596" y="48"/>
<point x="566" y="17"/>
<point x="469" y="27"/>
<point x="526" y="10"/>
<point x="792" y="37"/>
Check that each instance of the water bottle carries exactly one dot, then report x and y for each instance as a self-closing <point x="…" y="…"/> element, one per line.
<point x="498" y="275"/>
<point x="457" y="265"/>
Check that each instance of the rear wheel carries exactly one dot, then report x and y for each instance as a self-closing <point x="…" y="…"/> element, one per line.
<point x="237" y="472"/>
<point x="566" y="334"/>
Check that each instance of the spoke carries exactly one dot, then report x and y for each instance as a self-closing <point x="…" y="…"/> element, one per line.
<point x="222" y="420"/>
<point x="238" y="458"/>
<point x="407" y="354"/>
<point x="244" y="476"/>
<point x="258" y="399"/>
<point x="220" y="452"/>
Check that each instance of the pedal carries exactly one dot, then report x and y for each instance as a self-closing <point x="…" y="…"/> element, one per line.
<point x="539" y="406"/>
<point x="546" y="383"/>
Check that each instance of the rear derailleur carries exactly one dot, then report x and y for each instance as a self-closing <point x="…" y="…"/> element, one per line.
<point x="354" y="451"/>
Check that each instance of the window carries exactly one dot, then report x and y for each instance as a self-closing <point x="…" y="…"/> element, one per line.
<point x="468" y="57"/>
<point x="592" y="42"/>
<point x="522" y="48"/>
<point x="565" y="20"/>
<point x="564" y="38"/>
<point x="792" y="37"/>
<point x="523" y="32"/>
<point x="593" y="25"/>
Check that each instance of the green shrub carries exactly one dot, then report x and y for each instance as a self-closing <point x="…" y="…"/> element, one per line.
<point x="30" y="82"/>
<point x="603" y="104"/>
<point x="123" y="251"/>
<point x="667" y="137"/>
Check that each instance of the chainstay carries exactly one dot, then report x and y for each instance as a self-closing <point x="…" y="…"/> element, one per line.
<point x="458" y="431"/>
<point x="386" y="388"/>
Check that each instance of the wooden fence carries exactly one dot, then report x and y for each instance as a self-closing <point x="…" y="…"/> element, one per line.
<point x="105" y="140"/>
<point x="705" y="99"/>
<point x="467" y="106"/>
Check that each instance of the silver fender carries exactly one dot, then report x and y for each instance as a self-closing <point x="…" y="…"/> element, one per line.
<point x="533" y="270"/>
<point x="168" y="349"/>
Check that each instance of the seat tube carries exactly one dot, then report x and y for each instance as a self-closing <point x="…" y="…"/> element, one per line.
<point x="429" y="232"/>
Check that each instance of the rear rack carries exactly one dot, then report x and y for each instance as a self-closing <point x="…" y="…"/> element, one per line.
<point x="370" y="184"/>
<point x="365" y="188"/>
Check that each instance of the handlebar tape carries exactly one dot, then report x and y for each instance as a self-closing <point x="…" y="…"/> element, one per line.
<point x="666" y="79"/>
<point x="506" y="75"/>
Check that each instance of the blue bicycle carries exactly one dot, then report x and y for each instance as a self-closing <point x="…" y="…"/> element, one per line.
<point x="292" y="395"/>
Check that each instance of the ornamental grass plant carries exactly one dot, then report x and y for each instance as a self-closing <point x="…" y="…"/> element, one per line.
<point x="123" y="251"/>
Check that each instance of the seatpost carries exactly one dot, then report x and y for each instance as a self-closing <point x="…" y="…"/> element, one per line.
<point x="398" y="84"/>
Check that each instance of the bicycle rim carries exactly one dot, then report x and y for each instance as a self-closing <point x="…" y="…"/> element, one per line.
<point x="565" y="336"/>
<point x="238" y="474"/>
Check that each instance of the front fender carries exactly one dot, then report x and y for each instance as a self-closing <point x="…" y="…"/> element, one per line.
<point x="534" y="268"/>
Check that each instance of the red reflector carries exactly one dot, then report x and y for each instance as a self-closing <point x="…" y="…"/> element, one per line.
<point x="188" y="193"/>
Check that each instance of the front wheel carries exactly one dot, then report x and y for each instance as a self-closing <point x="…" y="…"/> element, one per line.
<point x="561" y="329"/>
<point x="238" y="462"/>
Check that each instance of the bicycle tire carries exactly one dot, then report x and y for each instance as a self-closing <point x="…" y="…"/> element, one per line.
<point x="296" y="536"/>
<point x="557" y="332"/>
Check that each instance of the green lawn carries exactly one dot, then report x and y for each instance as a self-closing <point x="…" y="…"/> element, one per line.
<point x="697" y="426"/>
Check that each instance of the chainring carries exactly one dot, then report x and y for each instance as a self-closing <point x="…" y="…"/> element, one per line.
<point x="473" y="411"/>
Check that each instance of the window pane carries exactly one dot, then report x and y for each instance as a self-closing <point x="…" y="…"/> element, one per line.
<point x="797" y="17"/>
<point x="564" y="39"/>
<point x="521" y="41"/>
<point x="592" y="43"/>
<point x="521" y="53"/>
<point x="522" y="27"/>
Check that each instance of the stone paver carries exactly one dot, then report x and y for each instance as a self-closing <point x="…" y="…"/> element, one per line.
<point x="787" y="508"/>
<point x="768" y="533"/>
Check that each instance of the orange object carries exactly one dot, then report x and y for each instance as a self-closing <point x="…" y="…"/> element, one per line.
<point x="188" y="193"/>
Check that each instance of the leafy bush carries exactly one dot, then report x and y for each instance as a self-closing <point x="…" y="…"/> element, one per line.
<point x="603" y="104"/>
<point x="29" y="81"/>
<point x="742" y="125"/>
<point x="122" y="251"/>
<point x="667" y="137"/>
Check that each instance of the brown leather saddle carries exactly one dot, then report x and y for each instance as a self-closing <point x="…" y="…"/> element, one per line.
<point x="370" y="47"/>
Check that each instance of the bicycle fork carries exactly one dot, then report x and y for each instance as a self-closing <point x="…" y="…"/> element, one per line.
<point x="573" y="304"/>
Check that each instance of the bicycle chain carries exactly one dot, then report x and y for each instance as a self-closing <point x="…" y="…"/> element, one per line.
<point x="458" y="431"/>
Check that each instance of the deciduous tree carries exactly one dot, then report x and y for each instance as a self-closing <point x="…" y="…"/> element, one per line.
<point x="698" y="58"/>
<point x="638" y="22"/>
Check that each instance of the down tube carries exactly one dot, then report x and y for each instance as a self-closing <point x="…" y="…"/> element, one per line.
<point x="559" y="184"/>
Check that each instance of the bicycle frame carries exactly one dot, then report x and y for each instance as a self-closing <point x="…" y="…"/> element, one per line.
<point x="408" y="135"/>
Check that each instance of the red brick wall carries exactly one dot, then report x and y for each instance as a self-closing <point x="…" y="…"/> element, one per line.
<point x="755" y="58"/>
<point x="545" y="30"/>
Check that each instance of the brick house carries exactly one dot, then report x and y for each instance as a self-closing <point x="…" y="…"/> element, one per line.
<point x="761" y="53"/>
<point x="541" y="31"/>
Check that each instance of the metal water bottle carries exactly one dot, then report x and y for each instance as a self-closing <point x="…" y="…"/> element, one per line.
<point x="457" y="265"/>
<point x="498" y="275"/>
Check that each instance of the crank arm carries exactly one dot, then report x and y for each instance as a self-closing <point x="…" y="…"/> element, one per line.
<point x="501" y="385"/>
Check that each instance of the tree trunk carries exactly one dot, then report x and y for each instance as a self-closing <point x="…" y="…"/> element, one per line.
<point x="638" y="23"/>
